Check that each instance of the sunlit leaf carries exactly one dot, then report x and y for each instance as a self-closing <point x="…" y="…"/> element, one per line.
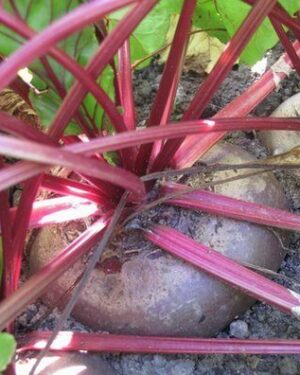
<point x="207" y="17"/>
<point x="290" y="5"/>
<point x="93" y="108"/>
<point x="152" y="31"/>
<point x="81" y="46"/>
<point x="203" y="50"/>
<point x="46" y="105"/>
<point x="233" y="13"/>
<point x="7" y="349"/>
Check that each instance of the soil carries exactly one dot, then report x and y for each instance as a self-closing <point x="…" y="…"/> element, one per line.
<point x="261" y="321"/>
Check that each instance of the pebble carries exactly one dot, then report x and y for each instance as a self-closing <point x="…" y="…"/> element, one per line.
<point x="278" y="142"/>
<point x="288" y="366"/>
<point x="239" y="329"/>
<point x="146" y="89"/>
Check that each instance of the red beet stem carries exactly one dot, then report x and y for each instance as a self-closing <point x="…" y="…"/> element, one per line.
<point x="194" y="147"/>
<point x="225" y="269"/>
<point x="38" y="283"/>
<point x="164" y="100"/>
<point x="218" y="204"/>
<point x="99" y="343"/>
<point x="206" y="91"/>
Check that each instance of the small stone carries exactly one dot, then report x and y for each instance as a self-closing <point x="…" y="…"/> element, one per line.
<point x="278" y="142"/>
<point x="239" y="329"/>
<point x="185" y="367"/>
<point x="159" y="360"/>
<point x="146" y="89"/>
<point x="253" y="362"/>
<point x="288" y="366"/>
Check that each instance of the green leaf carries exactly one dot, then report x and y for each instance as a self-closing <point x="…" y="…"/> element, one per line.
<point x="151" y="33"/>
<point x="93" y="108"/>
<point x="81" y="46"/>
<point x="290" y="5"/>
<point x="39" y="13"/>
<point x="221" y="17"/>
<point x="203" y="50"/>
<point x="46" y="106"/>
<point x="9" y="41"/>
<point x="7" y="349"/>
<point x="233" y="13"/>
<point x="111" y="157"/>
<point x="207" y="17"/>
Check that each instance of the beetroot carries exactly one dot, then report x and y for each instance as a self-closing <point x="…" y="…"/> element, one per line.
<point x="112" y="161"/>
<point x="137" y="289"/>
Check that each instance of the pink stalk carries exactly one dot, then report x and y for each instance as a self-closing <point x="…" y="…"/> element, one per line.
<point x="59" y="210"/>
<point x="70" y="187"/>
<point x="25" y="170"/>
<point x="126" y="95"/>
<point x="100" y="60"/>
<point x="164" y="100"/>
<point x="91" y="120"/>
<point x="156" y="147"/>
<point x="31" y="188"/>
<point x="218" y="204"/>
<point x="40" y="281"/>
<point x="62" y="93"/>
<point x="101" y="34"/>
<point x="288" y="46"/>
<point x="71" y="139"/>
<point x="101" y="342"/>
<point x="225" y="269"/>
<point x="109" y="191"/>
<point x="6" y="225"/>
<point x="75" y="20"/>
<point x="106" y="51"/>
<point x="29" y="192"/>
<point x="20" y="225"/>
<point x="45" y="154"/>
<point x="21" y="88"/>
<point x="193" y="147"/>
<point x="18" y="128"/>
<point x="24" y="211"/>
<point x="52" y="76"/>
<point x="22" y="220"/>
<point x="175" y="130"/>
<point x="125" y="85"/>
<point x="69" y="64"/>
<point x="228" y="58"/>
<point x="23" y="217"/>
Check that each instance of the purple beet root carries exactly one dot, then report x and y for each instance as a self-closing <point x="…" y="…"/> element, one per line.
<point x="139" y="289"/>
